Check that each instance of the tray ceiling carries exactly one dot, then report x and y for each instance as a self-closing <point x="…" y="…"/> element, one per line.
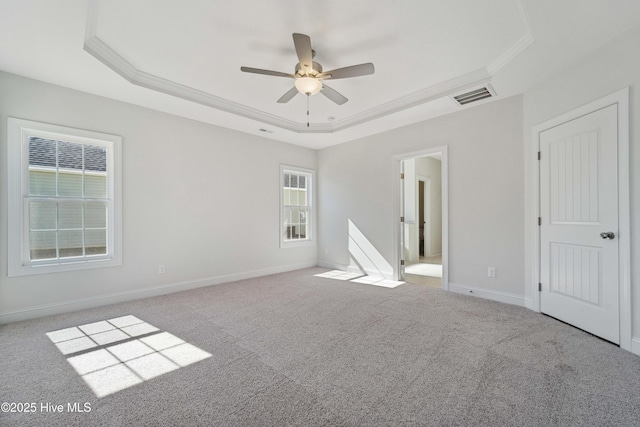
<point x="184" y="58"/>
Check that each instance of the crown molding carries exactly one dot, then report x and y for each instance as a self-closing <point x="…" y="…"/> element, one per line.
<point x="518" y="47"/>
<point x="441" y="90"/>
<point x="511" y="53"/>
<point x="105" y="54"/>
<point x="112" y="59"/>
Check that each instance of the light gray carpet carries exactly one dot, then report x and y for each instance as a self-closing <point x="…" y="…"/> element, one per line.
<point x="294" y="349"/>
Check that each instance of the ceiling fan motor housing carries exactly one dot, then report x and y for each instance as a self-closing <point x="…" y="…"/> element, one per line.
<point x="316" y="69"/>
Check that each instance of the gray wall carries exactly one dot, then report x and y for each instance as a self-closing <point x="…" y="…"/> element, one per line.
<point x="202" y="200"/>
<point x="356" y="182"/>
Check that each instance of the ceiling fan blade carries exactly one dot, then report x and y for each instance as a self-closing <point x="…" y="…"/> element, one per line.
<point x="302" y="43"/>
<point x="352" y="71"/>
<point x="288" y="96"/>
<point x="266" y="72"/>
<point x="333" y="94"/>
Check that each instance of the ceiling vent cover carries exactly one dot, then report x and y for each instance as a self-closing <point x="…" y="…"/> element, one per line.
<point x="474" y="95"/>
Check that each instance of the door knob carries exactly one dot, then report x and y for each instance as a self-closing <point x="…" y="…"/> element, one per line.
<point x="608" y="235"/>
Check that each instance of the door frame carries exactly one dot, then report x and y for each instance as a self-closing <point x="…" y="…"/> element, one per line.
<point x="621" y="99"/>
<point x="398" y="226"/>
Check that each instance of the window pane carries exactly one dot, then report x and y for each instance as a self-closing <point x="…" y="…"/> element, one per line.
<point x="286" y="179"/>
<point x="70" y="215"/>
<point x="303" y="231"/>
<point x="69" y="184"/>
<point x="292" y="231"/>
<point x="95" y="158"/>
<point x="295" y="217"/>
<point x="286" y="196"/>
<point x="302" y="198"/>
<point x="70" y="243"/>
<point x="294" y="181"/>
<point x="42" y="183"/>
<point x="42" y="152"/>
<point x="95" y="215"/>
<point x="286" y="219"/>
<point x="293" y="201"/>
<point x="95" y="242"/>
<point x="42" y="244"/>
<point x="69" y="155"/>
<point x="95" y="185"/>
<point x="43" y="215"/>
<point x="302" y="182"/>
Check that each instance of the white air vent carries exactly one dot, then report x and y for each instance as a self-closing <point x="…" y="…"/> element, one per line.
<point x="475" y="95"/>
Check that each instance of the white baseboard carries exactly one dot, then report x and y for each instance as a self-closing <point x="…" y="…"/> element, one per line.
<point x="333" y="265"/>
<point x="528" y="303"/>
<point x="635" y="346"/>
<point x="489" y="294"/>
<point x="85" y="303"/>
<point x="453" y="287"/>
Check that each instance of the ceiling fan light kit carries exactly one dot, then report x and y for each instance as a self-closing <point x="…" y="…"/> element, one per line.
<point x="308" y="74"/>
<point x="308" y="85"/>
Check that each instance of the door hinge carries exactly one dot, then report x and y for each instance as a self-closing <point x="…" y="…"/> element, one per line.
<point x="539" y="155"/>
<point x="401" y="262"/>
<point x="401" y="219"/>
<point x="539" y="220"/>
<point x="401" y="176"/>
<point x="539" y="287"/>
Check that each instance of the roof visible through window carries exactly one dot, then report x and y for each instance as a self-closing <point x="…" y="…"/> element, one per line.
<point x="42" y="152"/>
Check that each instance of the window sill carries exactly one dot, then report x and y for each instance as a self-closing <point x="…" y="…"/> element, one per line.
<point x="33" y="269"/>
<point x="296" y="244"/>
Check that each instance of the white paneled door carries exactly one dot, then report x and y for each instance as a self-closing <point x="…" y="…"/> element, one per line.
<point x="579" y="223"/>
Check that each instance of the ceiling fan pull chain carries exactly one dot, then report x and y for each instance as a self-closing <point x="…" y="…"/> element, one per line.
<point x="308" y="95"/>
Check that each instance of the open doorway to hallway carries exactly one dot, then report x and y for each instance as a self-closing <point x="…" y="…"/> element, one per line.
<point x="423" y="207"/>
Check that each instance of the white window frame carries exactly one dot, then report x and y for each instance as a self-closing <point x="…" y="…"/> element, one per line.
<point x="310" y="174"/>
<point x="18" y="133"/>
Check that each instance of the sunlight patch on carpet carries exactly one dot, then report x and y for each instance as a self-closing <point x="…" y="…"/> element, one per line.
<point x="359" y="278"/>
<point x="108" y="367"/>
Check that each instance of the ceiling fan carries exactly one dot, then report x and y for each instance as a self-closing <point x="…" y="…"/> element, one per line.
<point x="309" y="76"/>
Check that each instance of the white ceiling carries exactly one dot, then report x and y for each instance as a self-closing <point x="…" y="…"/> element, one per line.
<point x="184" y="57"/>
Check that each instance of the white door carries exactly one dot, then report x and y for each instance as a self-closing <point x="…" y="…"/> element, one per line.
<point x="578" y="207"/>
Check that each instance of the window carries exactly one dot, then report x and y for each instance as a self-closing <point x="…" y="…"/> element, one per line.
<point x="64" y="198"/>
<point x="296" y="206"/>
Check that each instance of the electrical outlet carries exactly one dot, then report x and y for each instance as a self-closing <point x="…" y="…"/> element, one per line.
<point x="491" y="272"/>
<point x="161" y="269"/>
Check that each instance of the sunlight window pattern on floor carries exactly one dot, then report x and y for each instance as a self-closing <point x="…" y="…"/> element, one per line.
<point x="112" y="355"/>
<point x="359" y="278"/>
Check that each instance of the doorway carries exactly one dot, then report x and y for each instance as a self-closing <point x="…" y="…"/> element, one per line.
<point x="422" y="206"/>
